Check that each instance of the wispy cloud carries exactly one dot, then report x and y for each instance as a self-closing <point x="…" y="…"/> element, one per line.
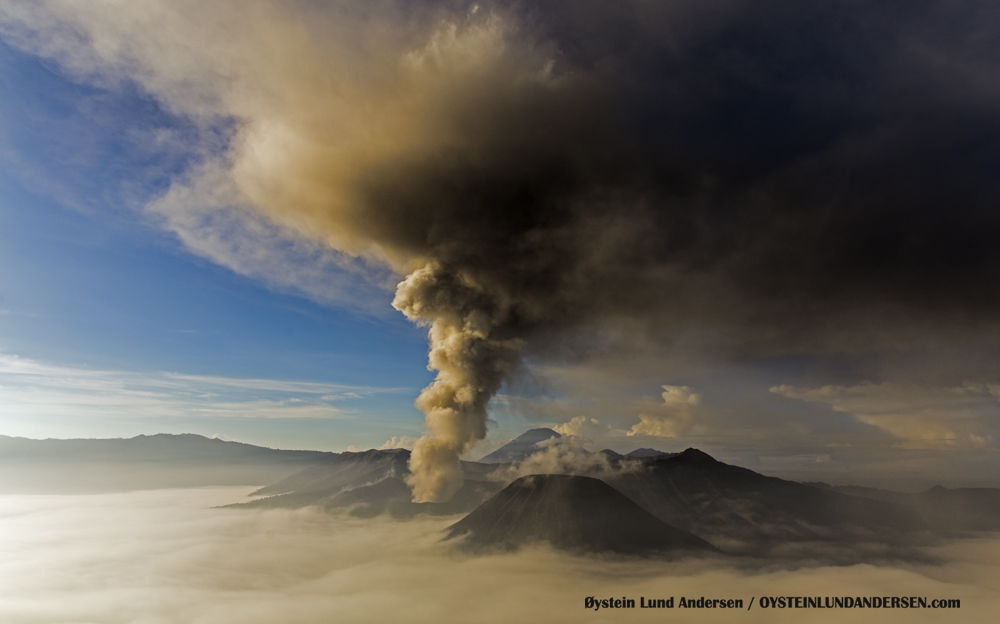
<point x="395" y="442"/>
<point x="586" y="428"/>
<point x="212" y="221"/>
<point x="32" y="388"/>
<point x="918" y="416"/>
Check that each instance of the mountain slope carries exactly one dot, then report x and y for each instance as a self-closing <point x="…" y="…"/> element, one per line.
<point x="943" y="509"/>
<point x="371" y="483"/>
<point x="337" y="473"/>
<point x="393" y="497"/>
<point x="520" y="448"/>
<point x="646" y="452"/>
<point x="571" y="513"/>
<point x="727" y="504"/>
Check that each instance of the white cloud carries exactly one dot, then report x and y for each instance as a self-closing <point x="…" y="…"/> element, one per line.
<point x="564" y="455"/>
<point x="29" y="388"/>
<point x="672" y="417"/>
<point x="587" y="428"/>
<point x="168" y="556"/>
<point x="207" y="217"/>
<point x="404" y="442"/>
<point x="395" y="442"/>
<point x="919" y="416"/>
<point x="226" y="66"/>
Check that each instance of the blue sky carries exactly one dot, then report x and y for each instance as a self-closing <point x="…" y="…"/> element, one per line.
<point x="89" y="283"/>
<point x="205" y="211"/>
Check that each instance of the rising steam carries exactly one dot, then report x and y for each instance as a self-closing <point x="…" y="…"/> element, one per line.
<point x="751" y="179"/>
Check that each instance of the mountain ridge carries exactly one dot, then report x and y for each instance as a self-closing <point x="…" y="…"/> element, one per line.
<point x="521" y="447"/>
<point x="141" y="462"/>
<point x="570" y="512"/>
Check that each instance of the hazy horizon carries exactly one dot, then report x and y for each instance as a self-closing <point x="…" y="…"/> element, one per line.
<point x="764" y="230"/>
<point x="205" y="219"/>
<point x="167" y="556"/>
<point x="905" y="482"/>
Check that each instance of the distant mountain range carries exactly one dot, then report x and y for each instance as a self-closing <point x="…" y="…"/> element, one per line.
<point x="521" y="447"/>
<point x="643" y="502"/>
<point x="142" y="462"/>
<point x="734" y="509"/>
<point x="942" y="509"/>
<point x="372" y="483"/>
<point x="531" y="442"/>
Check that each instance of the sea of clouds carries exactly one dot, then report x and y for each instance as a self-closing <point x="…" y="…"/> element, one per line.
<point x="165" y="556"/>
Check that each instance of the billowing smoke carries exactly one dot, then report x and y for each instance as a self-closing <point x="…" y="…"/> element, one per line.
<point x="565" y="455"/>
<point x="550" y="178"/>
<point x="471" y="365"/>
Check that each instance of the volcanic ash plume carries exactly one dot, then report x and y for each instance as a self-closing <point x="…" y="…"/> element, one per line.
<point x="753" y="179"/>
<point x="471" y="365"/>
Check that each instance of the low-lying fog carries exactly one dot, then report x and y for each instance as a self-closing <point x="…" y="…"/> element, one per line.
<point x="169" y="556"/>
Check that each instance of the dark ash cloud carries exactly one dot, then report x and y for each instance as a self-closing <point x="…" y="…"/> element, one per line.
<point x="554" y="177"/>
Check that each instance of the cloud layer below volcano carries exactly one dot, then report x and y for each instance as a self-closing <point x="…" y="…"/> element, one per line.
<point x="165" y="556"/>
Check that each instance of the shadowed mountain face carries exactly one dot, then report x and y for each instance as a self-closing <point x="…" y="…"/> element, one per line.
<point x="743" y="511"/>
<point x="738" y="510"/>
<point x="371" y="483"/>
<point x="735" y="509"/>
<point x="520" y="448"/>
<point x="571" y="513"/>
<point x="142" y="462"/>
<point x="943" y="509"/>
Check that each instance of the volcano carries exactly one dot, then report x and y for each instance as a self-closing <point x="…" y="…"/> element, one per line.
<point x="521" y="447"/>
<point x="570" y="513"/>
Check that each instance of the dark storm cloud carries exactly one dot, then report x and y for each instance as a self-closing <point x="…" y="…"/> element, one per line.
<point x="776" y="177"/>
<point x="743" y="177"/>
<point x="788" y="169"/>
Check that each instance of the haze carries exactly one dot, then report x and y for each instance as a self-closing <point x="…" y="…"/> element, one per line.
<point x="765" y="230"/>
<point x="166" y="556"/>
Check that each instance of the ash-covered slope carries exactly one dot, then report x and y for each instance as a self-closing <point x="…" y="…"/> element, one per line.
<point x="520" y="448"/>
<point x="750" y="512"/>
<point x="571" y="513"/>
<point x="393" y="497"/>
<point x="371" y="483"/>
<point x="943" y="509"/>
<point x="530" y="442"/>
<point x="142" y="462"/>
<point x="345" y="470"/>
